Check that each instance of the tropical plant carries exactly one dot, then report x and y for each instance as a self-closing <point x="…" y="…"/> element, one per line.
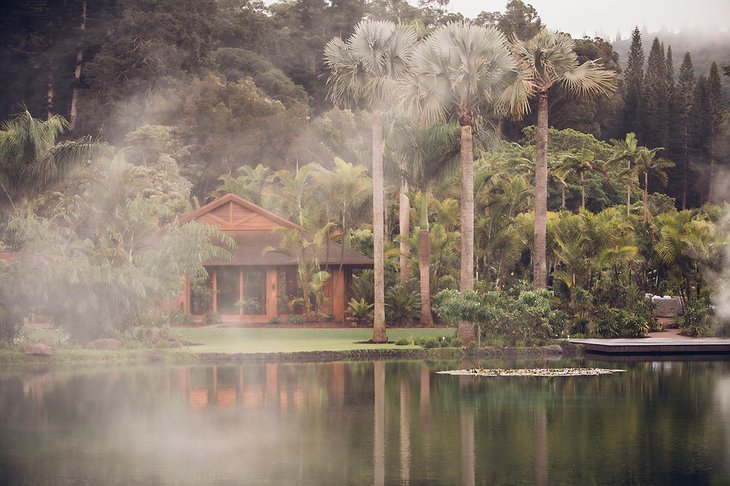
<point x="687" y="244"/>
<point x="426" y="154"/>
<point x="360" y="310"/>
<point x="401" y="305"/>
<point x="364" y="72"/>
<point x="460" y="71"/>
<point x="548" y="60"/>
<point x="250" y="184"/>
<point x="32" y="157"/>
<point x="648" y="164"/>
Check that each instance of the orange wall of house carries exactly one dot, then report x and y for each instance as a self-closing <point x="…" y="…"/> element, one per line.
<point x="338" y="297"/>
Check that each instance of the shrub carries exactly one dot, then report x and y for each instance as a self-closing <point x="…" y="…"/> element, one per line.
<point x="275" y="320"/>
<point x="401" y="305"/>
<point x="403" y="342"/>
<point x="697" y="319"/>
<point x="522" y="319"/>
<point x="621" y="323"/>
<point x="295" y="319"/>
<point x="211" y="317"/>
<point x="360" y="310"/>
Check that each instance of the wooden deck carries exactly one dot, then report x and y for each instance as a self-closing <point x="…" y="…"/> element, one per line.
<point x="654" y="345"/>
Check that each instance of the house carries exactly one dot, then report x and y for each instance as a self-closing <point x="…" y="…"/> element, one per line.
<point x="258" y="284"/>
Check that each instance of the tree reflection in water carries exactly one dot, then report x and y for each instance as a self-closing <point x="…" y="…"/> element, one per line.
<point x="329" y="423"/>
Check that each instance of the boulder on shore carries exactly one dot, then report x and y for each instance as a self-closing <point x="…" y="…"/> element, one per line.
<point x="667" y="306"/>
<point x="108" y="344"/>
<point x="39" y="349"/>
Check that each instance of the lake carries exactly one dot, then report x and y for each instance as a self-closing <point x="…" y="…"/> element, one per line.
<point x="392" y="422"/>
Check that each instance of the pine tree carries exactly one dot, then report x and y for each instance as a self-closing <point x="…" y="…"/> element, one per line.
<point x="673" y="142"/>
<point x="684" y="101"/>
<point x="633" y="85"/>
<point x="700" y="123"/>
<point x="714" y="94"/>
<point x="655" y="97"/>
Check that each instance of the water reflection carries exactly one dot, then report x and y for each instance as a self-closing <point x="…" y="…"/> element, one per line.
<point x="365" y="423"/>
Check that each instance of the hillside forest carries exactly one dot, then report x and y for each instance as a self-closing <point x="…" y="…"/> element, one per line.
<point x="497" y="171"/>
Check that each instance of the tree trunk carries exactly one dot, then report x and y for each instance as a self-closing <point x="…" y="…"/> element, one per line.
<point x="424" y="267"/>
<point x="628" y="193"/>
<point x="465" y="330"/>
<point x="404" y="209"/>
<point x="646" y="196"/>
<point x="50" y="93"/>
<point x="467" y="209"/>
<point x="582" y="193"/>
<point x="77" y="72"/>
<point x="379" y="335"/>
<point x="562" y="196"/>
<point x="685" y="167"/>
<point x="539" y="275"/>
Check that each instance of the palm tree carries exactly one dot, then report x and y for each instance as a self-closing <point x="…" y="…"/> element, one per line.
<point x="250" y="184"/>
<point x="32" y="158"/>
<point x="364" y="72"/>
<point x="646" y="164"/>
<point x="458" y="72"/>
<point x="686" y="243"/>
<point x="426" y="153"/>
<point x="627" y="151"/>
<point x="549" y="60"/>
<point x="580" y="163"/>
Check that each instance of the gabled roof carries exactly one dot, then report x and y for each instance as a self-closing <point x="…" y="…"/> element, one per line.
<point x="254" y="230"/>
<point x="231" y="213"/>
<point x="257" y="248"/>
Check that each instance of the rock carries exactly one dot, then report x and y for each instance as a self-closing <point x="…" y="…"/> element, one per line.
<point x="667" y="306"/>
<point x="552" y="349"/>
<point x="108" y="344"/>
<point x="39" y="349"/>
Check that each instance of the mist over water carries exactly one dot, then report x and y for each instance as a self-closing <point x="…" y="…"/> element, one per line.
<point x="365" y="423"/>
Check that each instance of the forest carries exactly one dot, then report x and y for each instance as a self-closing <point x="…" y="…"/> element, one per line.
<point x="535" y="184"/>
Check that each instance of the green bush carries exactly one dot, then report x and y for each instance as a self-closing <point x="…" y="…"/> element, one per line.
<point x="360" y="310"/>
<point x="295" y="319"/>
<point x="275" y="320"/>
<point x="401" y="305"/>
<point x="522" y="319"/>
<point x="697" y="319"/>
<point x="403" y="342"/>
<point x="615" y="323"/>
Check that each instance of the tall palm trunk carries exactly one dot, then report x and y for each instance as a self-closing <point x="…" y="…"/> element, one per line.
<point x="424" y="267"/>
<point x="404" y="209"/>
<point x="77" y="72"/>
<point x="628" y="193"/>
<point x="646" y="196"/>
<point x="539" y="276"/>
<point x="465" y="330"/>
<point x="467" y="207"/>
<point x="379" y="335"/>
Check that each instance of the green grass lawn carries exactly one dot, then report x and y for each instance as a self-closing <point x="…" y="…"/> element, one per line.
<point x="287" y="340"/>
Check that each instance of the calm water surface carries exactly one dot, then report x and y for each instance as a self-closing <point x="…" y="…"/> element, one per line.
<point x="365" y="423"/>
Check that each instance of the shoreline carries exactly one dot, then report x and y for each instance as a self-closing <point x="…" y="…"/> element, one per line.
<point x="76" y="357"/>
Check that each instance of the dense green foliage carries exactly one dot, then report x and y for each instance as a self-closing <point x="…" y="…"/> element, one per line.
<point x="200" y="98"/>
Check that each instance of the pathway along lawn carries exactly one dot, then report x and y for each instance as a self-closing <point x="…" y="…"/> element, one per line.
<point x="292" y="340"/>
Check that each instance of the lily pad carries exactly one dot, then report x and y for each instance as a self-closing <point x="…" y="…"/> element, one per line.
<point x="540" y="372"/>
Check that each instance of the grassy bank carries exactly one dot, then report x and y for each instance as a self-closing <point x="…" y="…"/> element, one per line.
<point x="293" y="340"/>
<point x="220" y="343"/>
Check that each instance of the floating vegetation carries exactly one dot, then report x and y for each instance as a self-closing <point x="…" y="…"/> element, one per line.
<point x="541" y="372"/>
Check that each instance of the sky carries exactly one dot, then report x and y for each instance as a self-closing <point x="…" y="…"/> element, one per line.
<point x="587" y="17"/>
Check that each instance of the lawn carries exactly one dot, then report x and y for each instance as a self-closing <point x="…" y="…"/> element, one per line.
<point x="288" y="340"/>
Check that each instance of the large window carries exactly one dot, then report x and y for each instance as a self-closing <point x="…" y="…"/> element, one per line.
<point x="228" y="279"/>
<point x="254" y="291"/>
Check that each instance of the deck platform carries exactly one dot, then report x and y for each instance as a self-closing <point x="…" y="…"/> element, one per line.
<point x="653" y="345"/>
